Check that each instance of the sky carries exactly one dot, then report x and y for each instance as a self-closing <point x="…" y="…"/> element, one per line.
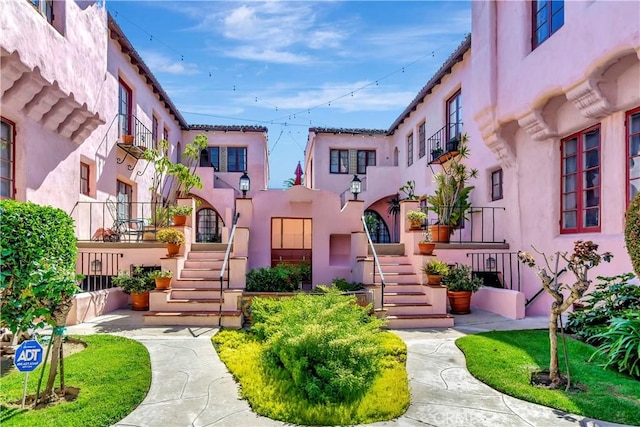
<point x="293" y="65"/>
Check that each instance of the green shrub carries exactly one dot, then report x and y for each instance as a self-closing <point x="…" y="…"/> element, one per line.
<point x="284" y="277"/>
<point x="328" y="344"/>
<point x="632" y="232"/>
<point x="621" y="344"/>
<point x="345" y="286"/>
<point x="611" y="297"/>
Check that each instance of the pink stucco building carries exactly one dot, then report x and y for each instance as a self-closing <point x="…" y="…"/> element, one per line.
<point x="547" y="93"/>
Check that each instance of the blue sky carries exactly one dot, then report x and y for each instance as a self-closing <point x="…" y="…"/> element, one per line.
<point x="293" y="65"/>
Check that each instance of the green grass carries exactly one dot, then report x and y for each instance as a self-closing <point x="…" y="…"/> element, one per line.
<point x="505" y="361"/>
<point x="272" y="393"/>
<point x="112" y="373"/>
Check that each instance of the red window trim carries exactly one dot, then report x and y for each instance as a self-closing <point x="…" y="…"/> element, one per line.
<point x="86" y="166"/>
<point x="123" y="85"/>
<point x="579" y="188"/>
<point x="13" y="156"/>
<point x="448" y="117"/>
<point x="627" y="138"/>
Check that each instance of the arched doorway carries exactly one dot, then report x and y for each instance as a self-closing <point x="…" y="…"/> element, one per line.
<point x="381" y="233"/>
<point x="208" y="226"/>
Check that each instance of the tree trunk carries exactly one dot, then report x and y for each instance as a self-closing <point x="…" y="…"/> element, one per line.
<point x="59" y="317"/>
<point x="554" y="371"/>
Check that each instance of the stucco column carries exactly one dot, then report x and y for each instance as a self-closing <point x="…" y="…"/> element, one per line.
<point x="244" y="207"/>
<point x="406" y="206"/>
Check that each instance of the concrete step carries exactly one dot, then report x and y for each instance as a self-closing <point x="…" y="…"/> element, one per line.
<point x="195" y="282"/>
<point x="200" y="273"/>
<point x="186" y="305"/>
<point x="393" y="259"/>
<point x="209" y="247"/>
<point x="195" y="293"/>
<point x="388" y="249"/>
<point x="400" y="309"/>
<point x="404" y="297"/>
<point x="420" y="321"/>
<point x="204" y="263"/>
<point x="402" y="287"/>
<point x="398" y="277"/>
<point x="229" y="319"/>
<point x="205" y="255"/>
<point x="396" y="268"/>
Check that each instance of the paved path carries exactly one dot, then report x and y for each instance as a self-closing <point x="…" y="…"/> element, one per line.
<point x="190" y="386"/>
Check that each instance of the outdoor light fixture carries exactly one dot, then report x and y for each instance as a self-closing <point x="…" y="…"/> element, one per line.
<point x="356" y="186"/>
<point x="490" y="263"/>
<point x="96" y="265"/>
<point x="245" y="184"/>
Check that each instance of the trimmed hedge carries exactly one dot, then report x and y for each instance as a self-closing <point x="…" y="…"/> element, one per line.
<point x="632" y="233"/>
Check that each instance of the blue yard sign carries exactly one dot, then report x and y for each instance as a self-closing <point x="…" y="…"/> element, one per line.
<point x="28" y="356"/>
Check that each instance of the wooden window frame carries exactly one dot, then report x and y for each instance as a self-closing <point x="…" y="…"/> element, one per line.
<point x="341" y="153"/>
<point x="129" y="192"/>
<point x="85" y="168"/>
<point x="367" y="157"/>
<point x="580" y="171"/>
<point x="457" y="125"/>
<point x="126" y="123"/>
<point x="155" y="127"/>
<point x="11" y="159"/>
<point x="410" y="149"/>
<point x="229" y="155"/>
<point x="497" y="185"/>
<point x="422" y="139"/>
<point x="630" y="158"/>
<point x="548" y="22"/>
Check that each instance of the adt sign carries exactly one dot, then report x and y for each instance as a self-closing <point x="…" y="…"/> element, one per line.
<point x="28" y="356"/>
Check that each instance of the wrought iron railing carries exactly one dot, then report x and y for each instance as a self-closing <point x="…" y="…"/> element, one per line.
<point x="477" y="224"/>
<point x="131" y="131"/>
<point x="497" y="269"/>
<point x="114" y="221"/>
<point x="98" y="269"/>
<point x="439" y="148"/>
<point x="376" y="263"/>
<point x="226" y="268"/>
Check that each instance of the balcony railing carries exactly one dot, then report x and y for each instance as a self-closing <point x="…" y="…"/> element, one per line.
<point x="497" y="269"/>
<point x="439" y="148"/>
<point x="133" y="136"/>
<point x="115" y="221"/>
<point x="98" y="269"/>
<point x="477" y="225"/>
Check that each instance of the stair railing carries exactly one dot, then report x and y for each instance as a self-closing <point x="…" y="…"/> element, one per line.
<point x="376" y="263"/>
<point x="226" y="266"/>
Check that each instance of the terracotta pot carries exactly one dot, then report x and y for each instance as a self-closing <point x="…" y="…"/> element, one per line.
<point x="434" y="279"/>
<point x="163" y="283"/>
<point x="426" y="248"/>
<point x="415" y="225"/>
<point x="127" y="139"/>
<point x="460" y="302"/>
<point x="140" y="302"/>
<point x="179" y="219"/>
<point x="440" y="233"/>
<point x="172" y="249"/>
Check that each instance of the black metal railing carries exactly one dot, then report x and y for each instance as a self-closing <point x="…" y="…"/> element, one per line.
<point x="98" y="269"/>
<point x="376" y="263"/>
<point x="226" y="267"/>
<point x="132" y="132"/>
<point x="497" y="269"/>
<point x="114" y="221"/>
<point x="476" y="224"/>
<point x="443" y="144"/>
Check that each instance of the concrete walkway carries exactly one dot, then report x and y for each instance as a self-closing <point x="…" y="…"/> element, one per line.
<point x="190" y="386"/>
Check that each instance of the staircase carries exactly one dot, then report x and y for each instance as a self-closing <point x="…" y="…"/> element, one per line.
<point x="407" y="302"/>
<point x="194" y="297"/>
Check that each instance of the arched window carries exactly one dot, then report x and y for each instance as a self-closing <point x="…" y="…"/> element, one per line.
<point x="381" y="233"/>
<point x="208" y="226"/>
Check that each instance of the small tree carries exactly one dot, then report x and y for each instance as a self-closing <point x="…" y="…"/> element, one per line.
<point x="583" y="259"/>
<point x="632" y="233"/>
<point x="185" y="172"/>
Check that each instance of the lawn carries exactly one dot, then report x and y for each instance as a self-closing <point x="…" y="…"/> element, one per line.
<point x="112" y="373"/>
<point x="505" y="361"/>
<point x="272" y="393"/>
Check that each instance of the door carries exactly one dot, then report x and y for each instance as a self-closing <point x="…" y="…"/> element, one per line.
<point x="290" y="240"/>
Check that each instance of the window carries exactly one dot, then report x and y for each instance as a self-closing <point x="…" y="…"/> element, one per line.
<point x="236" y="159"/>
<point x="454" y="117"/>
<point x="548" y="17"/>
<point x="581" y="182"/>
<point x="633" y="147"/>
<point x="165" y="134"/>
<point x="45" y="7"/>
<point x="6" y="160"/>
<point x="496" y="185"/>
<point x="421" y="140"/>
<point x="84" y="178"/>
<point x="366" y="158"/>
<point x="124" y="196"/>
<point x="339" y="161"/>
<point x="210" y="158"/>
<point x="155" y="125"/>
<point x="125" y="106"/>
<point x="410" y="150"/>
<point x="208" y="226"/>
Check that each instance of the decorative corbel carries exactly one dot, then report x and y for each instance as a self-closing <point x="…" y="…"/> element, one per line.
<point x="589" y="99"/>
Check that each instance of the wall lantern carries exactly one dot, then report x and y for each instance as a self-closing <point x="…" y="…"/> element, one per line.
<point x="490" y="263"/>
<point x="356" y="187"/>
<point x="245" y="184"/>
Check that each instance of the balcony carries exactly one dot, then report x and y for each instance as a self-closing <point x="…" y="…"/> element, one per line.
<point x="133" y="137"/>
<point x="442" y="149"/>
<point x="477" y="225"/>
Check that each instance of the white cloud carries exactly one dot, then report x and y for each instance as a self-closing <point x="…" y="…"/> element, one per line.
<point x="160" y="63"/>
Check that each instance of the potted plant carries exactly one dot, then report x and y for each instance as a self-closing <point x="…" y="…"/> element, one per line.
<point x="452" y="145"/>
<point x="173" y="238"/>
<point x="162" y="278"/>
<point x="461" y="283"/>
<point x="137" y="285"/>
<point x="451" y="199"/>
<point x="436" y="153"/>
<point x="426" y="245"/>
<point x="180" y="213"/>
<point x="416" y="217"/>
<point x="127" y="139"/>
<point x="435" y="269"/>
